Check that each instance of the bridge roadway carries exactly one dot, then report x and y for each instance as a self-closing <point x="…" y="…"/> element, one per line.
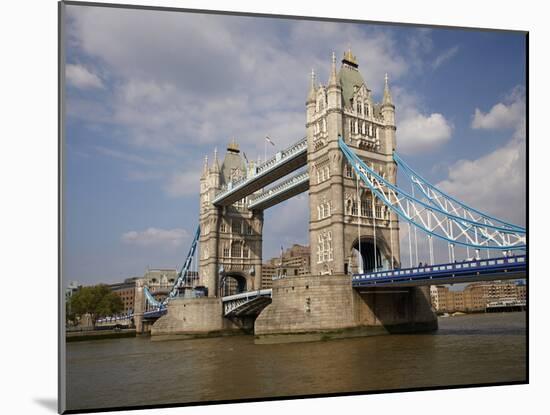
<point x="513" y="267"/>
<point x="247" y="303"/>
<point x="283" y="163"/>
<point x="242" y="304"/>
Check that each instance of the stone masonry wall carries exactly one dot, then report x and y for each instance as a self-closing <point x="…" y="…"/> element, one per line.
<point x="308" y="304"/>
<point x="314" y="304"/>
<point x="193" y="316"/>
<point x="399" y="308"/>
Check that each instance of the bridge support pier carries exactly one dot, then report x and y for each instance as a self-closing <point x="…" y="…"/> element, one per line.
<point x="138" y="322"/>
<point x="311" y="308"/>
<point x="194" y="317"/>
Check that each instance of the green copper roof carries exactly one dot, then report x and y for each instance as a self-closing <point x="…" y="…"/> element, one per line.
<point x="348" y="78"/>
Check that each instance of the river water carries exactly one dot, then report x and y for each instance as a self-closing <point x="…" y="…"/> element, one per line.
<point x="468" y="349"/>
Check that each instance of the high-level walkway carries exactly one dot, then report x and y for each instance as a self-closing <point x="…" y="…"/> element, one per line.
<point x="283" y="163"/>
<point x="288" y="188"/>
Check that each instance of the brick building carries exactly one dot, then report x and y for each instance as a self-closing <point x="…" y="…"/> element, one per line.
<point x="475" y="297"/>
<point x="126" y="290"/>
<point x="293" y="262"/>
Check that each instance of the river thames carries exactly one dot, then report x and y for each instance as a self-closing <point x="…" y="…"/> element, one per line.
<point x="467" y="349"/>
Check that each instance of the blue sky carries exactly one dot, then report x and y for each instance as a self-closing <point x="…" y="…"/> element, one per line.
<point x="150" y="93"/>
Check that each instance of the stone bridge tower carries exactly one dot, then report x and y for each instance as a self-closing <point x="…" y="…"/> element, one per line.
<point x="343" y="219"/>
<point x="230" y="247"/>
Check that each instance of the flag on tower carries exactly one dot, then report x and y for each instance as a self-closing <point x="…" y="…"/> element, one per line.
<point x="269" y="140"/>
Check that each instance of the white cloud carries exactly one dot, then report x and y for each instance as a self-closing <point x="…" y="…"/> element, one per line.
<point x="156" y="236"/>
<point x="232" y="80"/>
<point x="503" y="115"/>
<point x="120" y="155"/>
<point x="418" y="129"/>
<point x="184" y="183"/>
<point x="419" y="132"/>
<point x="445" y="56"/>
<point x="496" y="182"/>
<point x="80" y="77"/>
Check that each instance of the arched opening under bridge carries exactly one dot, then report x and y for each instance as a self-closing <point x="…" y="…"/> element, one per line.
<point x="232" y="283"/>
<point x="364" y="254"/>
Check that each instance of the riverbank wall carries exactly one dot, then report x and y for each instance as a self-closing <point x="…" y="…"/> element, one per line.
<point x="85" y="335"/>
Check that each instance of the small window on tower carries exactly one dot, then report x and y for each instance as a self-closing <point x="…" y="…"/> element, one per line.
<point x="236" y="226"/>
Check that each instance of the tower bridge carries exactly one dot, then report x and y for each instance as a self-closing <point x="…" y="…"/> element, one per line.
<point x="356" y="210"/>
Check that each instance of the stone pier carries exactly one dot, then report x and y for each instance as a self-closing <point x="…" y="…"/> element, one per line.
<point x="311" y="308"/>
<point x="192" y="318"/>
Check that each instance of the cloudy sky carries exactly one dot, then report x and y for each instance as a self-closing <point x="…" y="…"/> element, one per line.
<point x="150" y="93"/>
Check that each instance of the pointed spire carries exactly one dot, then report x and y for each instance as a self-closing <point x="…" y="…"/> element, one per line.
<point x="205" y="167"/>
<point x="387" y="95"/>
<point x="311" y="94"/>
<point x="333" y="77"/>
<point x="215" y="165"/>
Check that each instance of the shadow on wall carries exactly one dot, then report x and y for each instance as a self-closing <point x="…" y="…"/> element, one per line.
<point x="397" y="309"/>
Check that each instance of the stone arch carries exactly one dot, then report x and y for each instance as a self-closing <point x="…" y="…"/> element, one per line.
<point x="366" y="250"/>
<point x="233" y="282"/>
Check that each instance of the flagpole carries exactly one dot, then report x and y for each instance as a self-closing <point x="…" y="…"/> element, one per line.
<point x="265" y="150"/>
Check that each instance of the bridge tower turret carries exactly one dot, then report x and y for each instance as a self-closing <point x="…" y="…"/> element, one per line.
<point x="209" y="218"/>
<point x="344" y="224"/>
<point x="387" y="110"/>
<point x="231" y="237"/>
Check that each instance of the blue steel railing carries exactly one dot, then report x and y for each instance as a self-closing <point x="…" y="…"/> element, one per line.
<point x="155" y="313"/>
<point x="476" y="267"/>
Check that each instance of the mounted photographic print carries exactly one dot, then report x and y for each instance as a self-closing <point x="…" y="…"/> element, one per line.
<point x="262" y="207"/>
